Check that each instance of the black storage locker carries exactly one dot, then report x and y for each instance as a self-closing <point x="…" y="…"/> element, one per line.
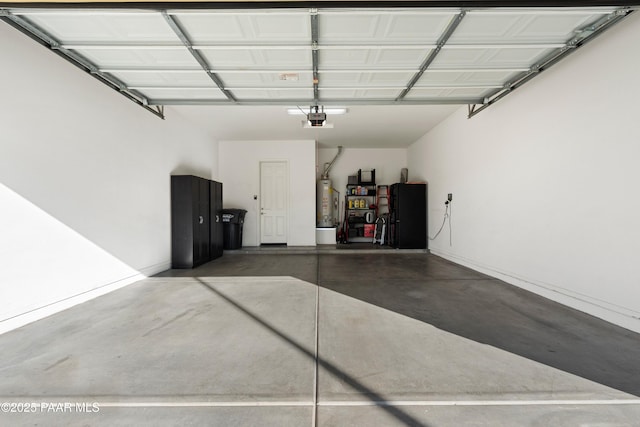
<point x="217" y="231"/>
<point x="196" y="238"/>
<point x="408" y="216"/>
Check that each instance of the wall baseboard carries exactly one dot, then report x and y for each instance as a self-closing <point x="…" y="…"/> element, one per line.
<point x="619" y="316"/>
<point x="155" y="268"/>
<point x="71" y="301"/>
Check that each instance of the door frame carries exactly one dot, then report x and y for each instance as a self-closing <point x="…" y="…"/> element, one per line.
<point x="287" y="191"/>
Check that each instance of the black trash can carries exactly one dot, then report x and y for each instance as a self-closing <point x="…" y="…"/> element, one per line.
<point x="232" y="220"/>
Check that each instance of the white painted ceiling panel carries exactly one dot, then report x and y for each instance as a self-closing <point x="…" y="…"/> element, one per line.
<point x="104" y="58"/>
<point x="114" y="27"/>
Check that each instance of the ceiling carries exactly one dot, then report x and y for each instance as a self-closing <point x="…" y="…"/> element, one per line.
<point x="233" y="72"/>
<point x="363" y="126"/>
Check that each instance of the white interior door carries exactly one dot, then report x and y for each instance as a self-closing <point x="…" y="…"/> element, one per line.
<point x="274" y="205"/>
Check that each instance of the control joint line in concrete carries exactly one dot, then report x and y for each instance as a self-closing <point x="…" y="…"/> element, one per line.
<point x="314" y="420"/>
<point x="315" y="404"/>
<point x="483" y="402"/>
<point x="199" y="404"/>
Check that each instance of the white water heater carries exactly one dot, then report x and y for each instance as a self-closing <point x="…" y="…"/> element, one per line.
<point x="324" y="193"/>
<point x="325" y="203"/>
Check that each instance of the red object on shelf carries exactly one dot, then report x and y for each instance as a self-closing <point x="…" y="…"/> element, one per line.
<point x="369" y="230"/>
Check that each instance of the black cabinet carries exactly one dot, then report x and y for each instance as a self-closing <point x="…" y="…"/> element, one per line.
<point x="196" y="234"/>
<point x="217" y="232"/>
<point x="408" y="216"/>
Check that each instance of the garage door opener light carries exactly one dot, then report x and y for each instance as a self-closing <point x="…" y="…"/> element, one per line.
<point x="317" y="116"/>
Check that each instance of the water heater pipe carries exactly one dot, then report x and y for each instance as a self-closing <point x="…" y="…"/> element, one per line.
<point x="325" y="173"/>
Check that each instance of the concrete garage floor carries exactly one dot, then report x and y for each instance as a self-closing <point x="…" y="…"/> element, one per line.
<point x="323" y="339"/>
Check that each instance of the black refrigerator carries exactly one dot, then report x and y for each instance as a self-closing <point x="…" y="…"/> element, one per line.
<point x="408" y="216"/>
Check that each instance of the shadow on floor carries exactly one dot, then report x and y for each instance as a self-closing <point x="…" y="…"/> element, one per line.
<point x="474" y="306"/>
<point x="396" y="412"/>
<point x="463" y="302"/>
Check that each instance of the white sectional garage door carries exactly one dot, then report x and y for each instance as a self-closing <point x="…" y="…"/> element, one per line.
<point x="302" y="56"/>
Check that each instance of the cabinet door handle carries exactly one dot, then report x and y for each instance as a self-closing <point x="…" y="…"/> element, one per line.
<point x="217" y="218"/>
<point x="201" y="219"/>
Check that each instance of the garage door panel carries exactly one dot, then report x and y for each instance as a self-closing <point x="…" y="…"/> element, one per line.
<point x="175" y="57"/>
<point x="284" y="79"/>
<point x="200" y="93"/>
<point x="450" y="93"/>
<point x="272" y="93"/>
<point x="251" y="28"/>
<point x="151" y="78"/>
<point x="388" y="58"/>
<point x="511" y="27"/>
<point x="366" y="78"/>
<point x="435" y="78"/>
<point x="473" y="58"/>
<point x="363" y="53"/>
<point x="354" y="93"/>
<point x="257" y="58"/>
<point x="112" y="27"/>
<point x="383" y="27"/>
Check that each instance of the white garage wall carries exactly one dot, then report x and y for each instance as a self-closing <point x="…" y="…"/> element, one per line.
<point x="545" y="182"/>
<point x="84" y="183"/>
<point x="386" y="161"/>
<point x="239" y="170"/>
